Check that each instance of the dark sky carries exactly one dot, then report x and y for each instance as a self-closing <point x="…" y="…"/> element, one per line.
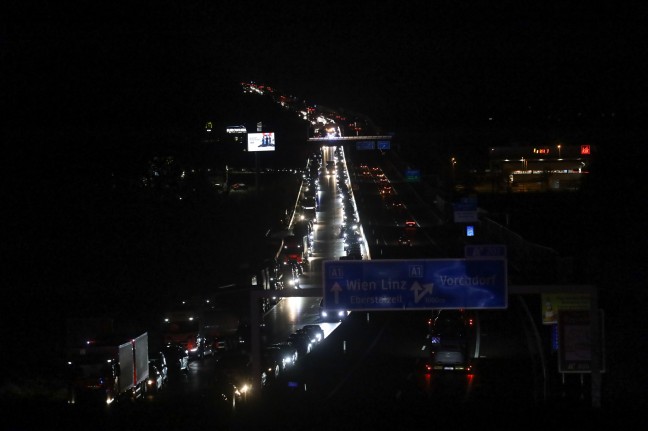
<point x="88" y="64"/>
<point x="91" y="87"/>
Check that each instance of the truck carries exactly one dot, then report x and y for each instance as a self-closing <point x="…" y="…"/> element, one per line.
<point x="200" y="328"/>
<point x="108" y="369"/>
<point x="304" y="229"/>
<point x="211" y="321"/>
<point x="295" y="248"/>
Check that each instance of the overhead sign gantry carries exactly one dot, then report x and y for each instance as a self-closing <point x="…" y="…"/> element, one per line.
<point x="379" y="142"/>
<point x="415" y="284"/>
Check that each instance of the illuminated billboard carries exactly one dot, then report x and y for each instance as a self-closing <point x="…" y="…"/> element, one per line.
<point x="261" y="141"/>
<point x="236" y="129"/>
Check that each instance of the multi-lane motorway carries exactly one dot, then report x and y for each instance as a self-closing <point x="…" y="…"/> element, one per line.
<point x="370" y="369"/>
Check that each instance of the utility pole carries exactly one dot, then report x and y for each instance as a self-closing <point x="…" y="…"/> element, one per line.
<point x="256" y="163"/>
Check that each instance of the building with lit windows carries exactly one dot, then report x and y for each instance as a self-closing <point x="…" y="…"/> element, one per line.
<point x="538" y="169"/>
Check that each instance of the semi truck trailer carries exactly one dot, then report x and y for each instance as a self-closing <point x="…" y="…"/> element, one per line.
<point x="108" y="369"/>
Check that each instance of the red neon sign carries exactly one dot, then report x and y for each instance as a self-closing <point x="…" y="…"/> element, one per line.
<point x="585" y="149"/>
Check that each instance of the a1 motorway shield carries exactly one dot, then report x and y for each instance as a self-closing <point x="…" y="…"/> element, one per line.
<point x="415" y="284"/>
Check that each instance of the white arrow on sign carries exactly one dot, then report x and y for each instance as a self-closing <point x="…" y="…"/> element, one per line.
<point x="336" y="289"/>
<point x="421" y="291"/>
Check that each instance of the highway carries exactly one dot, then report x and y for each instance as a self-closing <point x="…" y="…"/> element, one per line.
<point x="377" y="358"/>
<point x="370" y="369"/>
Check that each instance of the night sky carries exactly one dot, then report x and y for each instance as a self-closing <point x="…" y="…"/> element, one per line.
<point x="405" y="64"/>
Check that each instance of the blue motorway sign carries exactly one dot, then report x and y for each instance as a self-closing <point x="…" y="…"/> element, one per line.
<point x="365" y="145"/>
<point x="413" y="175"/>
<point x="418" y="284"/>
<point x="484" y="250"/>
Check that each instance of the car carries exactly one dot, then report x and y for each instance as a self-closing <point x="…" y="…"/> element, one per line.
<point x="330" y="167"/>
<point x="316" y="332"/>
<point x="386" y="191"/>
<point x="229" y="395"/>
<point x="177" y="358"/>
<point x="308" y="201"/>
<point x="354" y="251"/>
<point x="332" y="314"/>
<point x="235" y="367"/>
<point x="275" y="361"/>
<point x="290" y="274"/>
<point x="347" y="230"/>
<point x="313" y="338"/>
<point x="203" y="346"/>
<point x="308" y="214"/>
<point x="352" y="239"/>
<point x="302" y="342"/>
<point x="449" y="356"/>
<point x="159" y="360"/>
<point x="404" y="241"/>
<point x="449" y="326"/>
<point x="209" y="346"/>
<point x="350" y="216"/>
<point x="290" y="352"/>
<point x="238" y="186"/>
<point x="397" y="205"/>
<point x="298" y="267"/>
<point x="155" y="381"/>
<point x="220" y="345"/>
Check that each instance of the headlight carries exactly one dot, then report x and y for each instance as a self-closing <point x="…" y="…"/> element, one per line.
<point x="245" y="389"/>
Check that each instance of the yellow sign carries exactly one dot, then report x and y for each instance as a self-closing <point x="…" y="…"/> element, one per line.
<point x="553" y="303"/>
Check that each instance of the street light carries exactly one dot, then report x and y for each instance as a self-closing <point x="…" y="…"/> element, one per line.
<point x="559" y="151"/>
